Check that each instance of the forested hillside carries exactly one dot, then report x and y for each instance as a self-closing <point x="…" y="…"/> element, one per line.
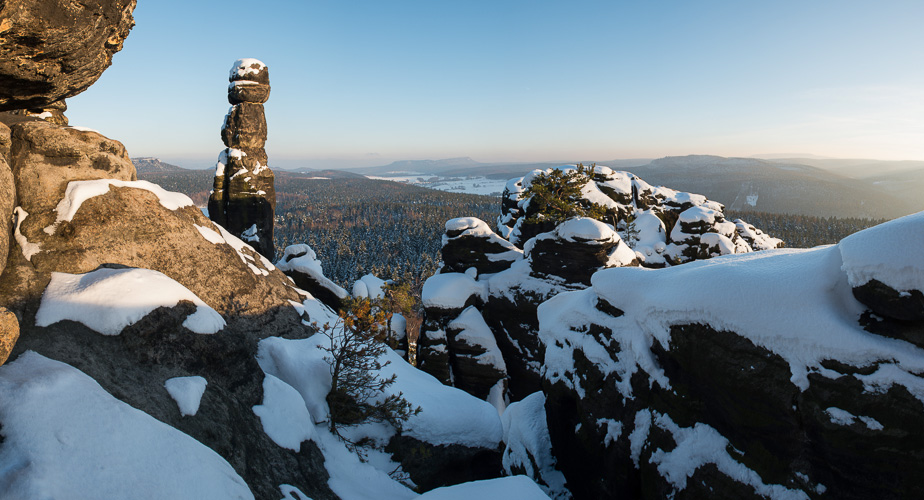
<point x="360" y="226"/>
<point x="805" y="231"/>
<point x="393" y="230"/>
<point x="356" y="225"/>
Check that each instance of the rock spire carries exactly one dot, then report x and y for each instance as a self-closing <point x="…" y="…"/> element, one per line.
<point x="243" y="198"/>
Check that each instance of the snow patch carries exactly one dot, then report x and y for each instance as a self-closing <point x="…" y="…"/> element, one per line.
<point x="284" y="416"/>
<point x="66" y="437"/>
<point x="890" y="253"/>
<point x="700" y="445"/>
<point x="210" y="235"/>
<point x="187" y="392"/>
<point x="28" y="249"/>
<point x="475" y="332"/>
<point x="245" y="67"/>
<point x="451" y="290"/>
<point x="78" y="192"/>
<point x="108" y="300"/>
<point x="528" y="446"/>
<point x="512" y="487"/>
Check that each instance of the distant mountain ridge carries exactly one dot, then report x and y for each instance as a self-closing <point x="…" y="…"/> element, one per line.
<point x="150" y="164"/>
<point x="421" y="166"/>
<point x="778" y="186"/>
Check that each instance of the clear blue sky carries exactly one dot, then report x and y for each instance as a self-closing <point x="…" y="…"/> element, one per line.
<point x="373" y="81"/>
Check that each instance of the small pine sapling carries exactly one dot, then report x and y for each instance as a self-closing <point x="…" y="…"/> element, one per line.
<point x="358" y="393"/>
<point x="400" y="299"/>
<point x="632" y="231"/>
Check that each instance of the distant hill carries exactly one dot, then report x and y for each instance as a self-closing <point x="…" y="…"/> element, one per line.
<point x="420" y="166"/>
<point x="467" y="167"/>
<point x="320" y="174"/>
<point x="149" y="164"/>
<point x="859" y="168"/>
<point x="777" y="186"/>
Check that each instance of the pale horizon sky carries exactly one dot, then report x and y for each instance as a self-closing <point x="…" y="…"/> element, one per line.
<point x="368" y="82"/>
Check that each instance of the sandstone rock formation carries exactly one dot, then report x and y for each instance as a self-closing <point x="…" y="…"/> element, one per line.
<point x="755" y="378"/>
<point x="469" y="242"/>
<point x="9" y="333"/>
<point x="301" y="264"/>
<point x="243" y="198"/>
<point x="642" y="225"/>
<point x="79" y="209"/>
<point x="7" y="197"/>
<point x="72" y="211"/>
<point x="53" y="112"/>
<point x="55" y="49"/>
<point x="647" y="218"/>
<point x="432" y="466"/>
<point x="577" y="248"/>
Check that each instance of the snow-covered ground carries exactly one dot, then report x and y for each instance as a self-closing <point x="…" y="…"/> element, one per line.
<point x="66" y="437"/>
<point x="468" y="185"/>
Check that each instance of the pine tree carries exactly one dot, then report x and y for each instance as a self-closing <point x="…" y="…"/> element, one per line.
<point x="556" y="196"/>
<point x="357" y="394"/>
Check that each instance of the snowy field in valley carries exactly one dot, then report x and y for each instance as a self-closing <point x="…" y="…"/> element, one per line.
<point x="468" y="185"/>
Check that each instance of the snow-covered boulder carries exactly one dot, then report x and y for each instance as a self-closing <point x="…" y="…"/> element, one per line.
<point x="577" y="248"/>
<point x="469" y="243"/>
<point x="300" y="263"/>
<point x="477" y="363"/>
<point x="369" y="286"/>
<point x="755" y="375"/>
<point x="702" y="233"/>
<point x="888" y="278"/>
<point x="444" y="297"/>
<point x="755" y="238"/>
<point x="249" y="82"/>
<point x="631" y="204"/>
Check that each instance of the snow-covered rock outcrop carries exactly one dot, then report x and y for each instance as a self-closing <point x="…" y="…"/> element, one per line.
<point x="300" y="263"/>
<point x="756" y="375"/>
<point x="691" y="227"/>
<point x="506" y="276"/>
<point x="157" y="355"/>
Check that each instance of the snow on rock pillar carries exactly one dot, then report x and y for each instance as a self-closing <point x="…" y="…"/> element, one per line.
<point x="243" y="198"/>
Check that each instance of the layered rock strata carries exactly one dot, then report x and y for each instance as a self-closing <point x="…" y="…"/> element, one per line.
<point x="55" y="49"/>
<point x="243" y="198"/>
<point x="53" y="113"/>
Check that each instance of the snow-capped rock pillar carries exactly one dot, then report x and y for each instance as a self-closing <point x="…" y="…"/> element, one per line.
<point x="243" y="198"/>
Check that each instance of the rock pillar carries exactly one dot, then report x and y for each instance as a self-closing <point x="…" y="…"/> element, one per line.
<point x="243" y="198"/>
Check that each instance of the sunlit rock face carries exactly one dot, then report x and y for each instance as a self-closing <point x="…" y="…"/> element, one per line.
<point x="54" y="49"/>
<point x="243" y="198"/>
